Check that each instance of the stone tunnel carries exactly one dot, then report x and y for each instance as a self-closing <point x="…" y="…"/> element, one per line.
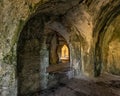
<point x="60" y="48"/>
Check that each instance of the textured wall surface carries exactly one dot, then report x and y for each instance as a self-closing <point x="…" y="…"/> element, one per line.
<point x="111" y="47"/>
<point x="89" y="26"/>
<point x="14" y="14"/>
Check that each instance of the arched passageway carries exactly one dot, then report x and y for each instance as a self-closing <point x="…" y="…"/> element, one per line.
<point x="59" y="49"/>
<point x="28" y="56"/>
<point x="108" y="45"/>
<point x="89" y="28"/>
<point x="37" y="53"/>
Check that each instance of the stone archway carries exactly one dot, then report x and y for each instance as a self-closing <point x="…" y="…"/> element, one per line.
<point x="57" y="70"/>
<point x="110" y="48"/>
<point x="65" y="53"/>
<point x="31" y="54"/>
<point x="102" y="39"/>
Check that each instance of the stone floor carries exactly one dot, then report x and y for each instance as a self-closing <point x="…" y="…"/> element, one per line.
<point x="105" y="85"/>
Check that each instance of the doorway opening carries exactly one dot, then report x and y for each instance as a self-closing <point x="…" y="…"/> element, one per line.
<point x="59" y="59"/>
<point x="64" y="54"/>
<point x="38" y="61"/>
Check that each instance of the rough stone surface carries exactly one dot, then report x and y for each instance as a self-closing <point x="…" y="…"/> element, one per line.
<point x="13" y="16"/>
<point x="90" y="28"/>
<point x="111" y="47"/>
<point x="103" y="86"/>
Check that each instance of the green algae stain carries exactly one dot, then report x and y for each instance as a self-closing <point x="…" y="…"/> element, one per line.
<point x="10" y="57"/>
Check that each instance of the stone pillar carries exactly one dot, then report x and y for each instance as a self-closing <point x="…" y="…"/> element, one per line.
<point x="76" y="58"/>
<point x="44" y="63"/>
<point x="53" y="51"/>
<point x="8" y="81"/>
<point x="59" y="52"/>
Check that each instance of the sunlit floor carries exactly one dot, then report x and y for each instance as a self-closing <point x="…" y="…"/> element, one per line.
<point x="58" y="67"/>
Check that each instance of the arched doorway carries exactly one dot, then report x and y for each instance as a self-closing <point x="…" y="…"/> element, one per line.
<point x="58" y="67"/>
<point x="64" y="54"/>
<point x="59" y="50"/>
<point x="34" y="51"/>
<point x="32" y="57"/>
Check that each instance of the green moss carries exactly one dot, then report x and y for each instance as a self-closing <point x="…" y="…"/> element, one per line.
<point x="1" y="3"/>
<point x="33" y="7"/>
<point x="114" y="70"/>
<point x="10" y="57"/>
<point x="17" y="32"/>
<point x="97" y="70"/>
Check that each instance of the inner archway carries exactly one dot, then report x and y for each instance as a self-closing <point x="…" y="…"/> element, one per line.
<point x="58" y="65"/>
<point x="64" y="53"/>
